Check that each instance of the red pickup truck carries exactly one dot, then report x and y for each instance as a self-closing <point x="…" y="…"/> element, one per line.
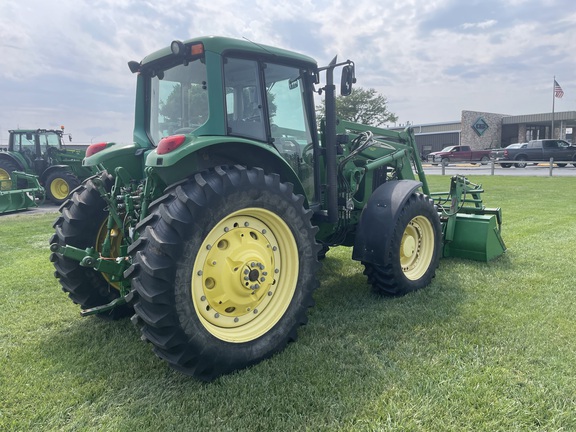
<point x="459" y="153"/>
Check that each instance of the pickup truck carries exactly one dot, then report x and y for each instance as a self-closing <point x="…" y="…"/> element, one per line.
<point x="536" y="151"/>
<point x="459" y="153"/>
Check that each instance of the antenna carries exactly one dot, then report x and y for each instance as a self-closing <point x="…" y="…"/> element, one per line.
<point x="258" y="45"/>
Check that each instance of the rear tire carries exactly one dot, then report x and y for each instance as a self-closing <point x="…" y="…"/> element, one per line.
<point x="59" y="184"/>
<point x="505" y="165"/>
<point x="521" y="162"/>
<point x="6" y="168"/>
<point x="414" y="250"/>
<point x="79" y="224"/>
<point x="223" y="271"/>
<point x="484" y="160"/>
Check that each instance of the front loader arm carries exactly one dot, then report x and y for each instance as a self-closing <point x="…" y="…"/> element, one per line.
<point x="403" y="150"/>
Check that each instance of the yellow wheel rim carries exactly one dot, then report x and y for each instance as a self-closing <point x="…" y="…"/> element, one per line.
<point x="417" y="248"/>
<point x="59" y="188"/>
<point x="245" y="275"/>
<point x="115" y="242"/>
<point x="5" y="175"/>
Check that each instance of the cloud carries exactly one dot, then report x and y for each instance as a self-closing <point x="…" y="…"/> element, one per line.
<point x="480" y="25"/>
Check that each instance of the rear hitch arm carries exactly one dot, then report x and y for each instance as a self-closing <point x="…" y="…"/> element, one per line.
<point x="114" y="267"/>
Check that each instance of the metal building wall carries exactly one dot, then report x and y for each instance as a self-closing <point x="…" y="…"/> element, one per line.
<point x="428" y="143"/>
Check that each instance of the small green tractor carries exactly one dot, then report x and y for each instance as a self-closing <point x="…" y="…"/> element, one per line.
<point x="209" y="228"/>
<point x="42" y="152"/>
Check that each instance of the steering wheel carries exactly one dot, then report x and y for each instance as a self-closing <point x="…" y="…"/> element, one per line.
<point x="51" y="151"/>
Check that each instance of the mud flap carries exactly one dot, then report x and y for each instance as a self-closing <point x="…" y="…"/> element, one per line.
<point x="378" y="220"/>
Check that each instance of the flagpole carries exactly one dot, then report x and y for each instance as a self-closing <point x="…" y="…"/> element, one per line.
<point x="553" y="97"/>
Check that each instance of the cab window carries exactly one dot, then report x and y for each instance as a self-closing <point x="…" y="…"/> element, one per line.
<point x="245" y="114"/>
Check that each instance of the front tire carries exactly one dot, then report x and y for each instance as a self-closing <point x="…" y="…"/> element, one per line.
<point x="414" y="250"/>
<point x="59" y="184"/>
<point x="81" y="224"/>
<point x="223" y="271"/>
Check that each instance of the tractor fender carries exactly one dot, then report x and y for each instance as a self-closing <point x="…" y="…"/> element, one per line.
<point x="378" y="220"/>
<point x="14" y="157"/>
<point x="51" y="169"/>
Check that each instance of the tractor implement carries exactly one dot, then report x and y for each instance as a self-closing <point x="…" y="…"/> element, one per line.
<point x="20" y="191"/>
<point x="470" y="230"/>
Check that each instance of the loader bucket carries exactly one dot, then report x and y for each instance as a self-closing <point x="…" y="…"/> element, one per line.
<point x="470" y="230"/>
<point x="14" y="198"/>
<point x="476" y="237"/>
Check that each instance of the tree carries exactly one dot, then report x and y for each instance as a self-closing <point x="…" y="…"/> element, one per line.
<point x="362" y="106"/>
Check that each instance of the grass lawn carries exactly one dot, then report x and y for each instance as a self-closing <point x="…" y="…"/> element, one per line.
<point x="486" y="347"/>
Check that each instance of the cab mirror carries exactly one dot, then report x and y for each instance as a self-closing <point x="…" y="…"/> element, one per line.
<point x="348" y="78"/>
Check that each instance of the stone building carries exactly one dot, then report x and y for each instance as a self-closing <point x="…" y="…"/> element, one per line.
<point x="482" y="130"/>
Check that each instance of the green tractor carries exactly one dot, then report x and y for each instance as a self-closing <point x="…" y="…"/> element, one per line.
<point x="42" y="152"/>
<point x="209" y="228"/>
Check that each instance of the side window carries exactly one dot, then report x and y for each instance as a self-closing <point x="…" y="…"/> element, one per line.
<point x="243" y="99"/>
<point x="289" y="122"/>
<point x="27" y="144"/>
<point x="550" y="144"/>
<point x="289" y="125"/>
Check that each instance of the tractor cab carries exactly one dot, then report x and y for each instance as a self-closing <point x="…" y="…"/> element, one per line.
<point x="216" y="100"/>
<point x="38" y="148"/>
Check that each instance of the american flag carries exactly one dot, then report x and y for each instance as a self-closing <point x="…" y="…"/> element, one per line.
<point x="558" y="92"/>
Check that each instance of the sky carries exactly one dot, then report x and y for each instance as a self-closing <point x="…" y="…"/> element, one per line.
<point x="64" y="62"/>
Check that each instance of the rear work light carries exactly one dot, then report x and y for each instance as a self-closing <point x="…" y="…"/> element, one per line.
<point x="95" y="148"/>
<point x="171" y="143"/>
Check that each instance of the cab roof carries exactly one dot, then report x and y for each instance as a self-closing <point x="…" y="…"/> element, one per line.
<point x="224" y="45"/>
